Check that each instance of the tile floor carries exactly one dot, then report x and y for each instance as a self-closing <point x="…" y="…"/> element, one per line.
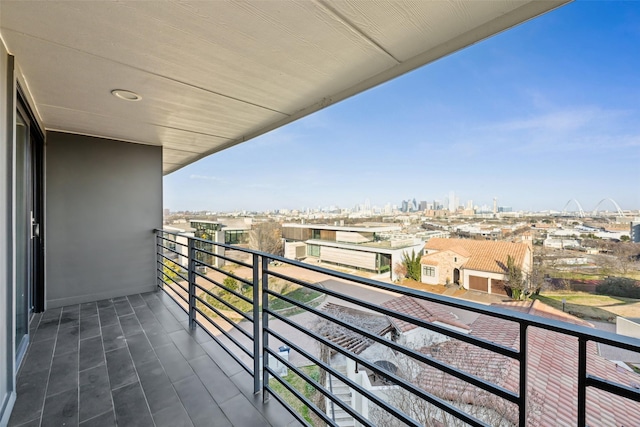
<point x="132" y="361"/>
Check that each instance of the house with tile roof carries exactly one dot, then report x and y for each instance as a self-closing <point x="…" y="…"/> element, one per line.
<point x="552" y="373"/>
<point x="474" y="264"/>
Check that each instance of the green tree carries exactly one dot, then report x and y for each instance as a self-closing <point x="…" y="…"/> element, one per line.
<point x="515" y="279"/>
<point x="412" y="265"/>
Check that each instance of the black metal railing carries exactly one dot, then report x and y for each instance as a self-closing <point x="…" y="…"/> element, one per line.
<point x="252" y="333"/>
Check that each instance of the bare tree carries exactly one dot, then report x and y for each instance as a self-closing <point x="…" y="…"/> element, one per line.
<point x="267" y="237"/>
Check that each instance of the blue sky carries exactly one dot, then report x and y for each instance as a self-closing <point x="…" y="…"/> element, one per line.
<point x="543" y="113"/>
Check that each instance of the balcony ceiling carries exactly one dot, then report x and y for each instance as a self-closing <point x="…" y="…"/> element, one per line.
<point x="213" y="74"/>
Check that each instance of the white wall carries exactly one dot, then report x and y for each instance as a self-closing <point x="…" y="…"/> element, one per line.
<point x="627" y="327"/>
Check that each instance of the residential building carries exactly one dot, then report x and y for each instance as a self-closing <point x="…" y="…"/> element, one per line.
<point x="375" y="249"/>
<point x="473" y="264"/>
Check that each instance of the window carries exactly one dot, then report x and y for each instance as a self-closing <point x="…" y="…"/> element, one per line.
<point x="428" y="271"/>
<point x="455" y="259"/>
<point x="315" y="234"/>
<point x="313" y="250"/>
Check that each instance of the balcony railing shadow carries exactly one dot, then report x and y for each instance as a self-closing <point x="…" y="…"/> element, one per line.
<point x="329" y="364"/>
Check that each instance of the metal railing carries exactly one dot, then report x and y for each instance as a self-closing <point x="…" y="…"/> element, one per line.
<point x="253" y="332"/>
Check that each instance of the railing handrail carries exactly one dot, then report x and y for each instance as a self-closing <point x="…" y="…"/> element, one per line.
<point x="578" y="331"/>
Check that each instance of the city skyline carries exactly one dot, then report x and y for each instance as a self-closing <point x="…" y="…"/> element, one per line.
<point x="536" y="116"/>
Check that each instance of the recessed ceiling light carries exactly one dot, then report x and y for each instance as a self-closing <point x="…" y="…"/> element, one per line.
<point x="127" y="95"/>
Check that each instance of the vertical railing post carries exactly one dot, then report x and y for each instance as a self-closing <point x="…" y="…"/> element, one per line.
<point x="159" y="264"/>
<point x="256" y="324"/>
<point x="582" y="382"/>
<point x="265" y="325"/>
<point x="192" y="283"/>
<point x="523" y="374"/>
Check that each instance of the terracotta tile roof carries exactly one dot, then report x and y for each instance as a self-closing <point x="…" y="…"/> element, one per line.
<point x="423" y="310"/>
<point x="484" y="255"/>
<point x="429" y="260"/>
<point x="350" y="340"/>
<point x="552" y="373"/>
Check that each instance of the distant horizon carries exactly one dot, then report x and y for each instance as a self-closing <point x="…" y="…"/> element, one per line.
<point x="536" y="116"/>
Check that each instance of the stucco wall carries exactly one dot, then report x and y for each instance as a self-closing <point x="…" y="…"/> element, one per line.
<point x="104" y="198"/>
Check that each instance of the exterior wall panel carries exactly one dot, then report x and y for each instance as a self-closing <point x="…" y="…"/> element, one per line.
<point x="353" y="258"/>
<point x="104" y="199"/>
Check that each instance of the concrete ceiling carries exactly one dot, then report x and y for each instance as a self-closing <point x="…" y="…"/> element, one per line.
<point x="213" y="74"/>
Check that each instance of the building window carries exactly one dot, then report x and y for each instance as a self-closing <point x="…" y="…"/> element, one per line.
<point x="315" y="234"/>
<point x="455" y="259"/>
<point x="429" y="271"/>
<point x="313" y="250"/>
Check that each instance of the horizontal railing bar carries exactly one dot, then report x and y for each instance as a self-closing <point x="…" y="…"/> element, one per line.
<point x="228" y="320"/>
<point x="184" y="288"/>
<point x="224" y="257"/>
<point x="226" y="334"/>
<point x="440" y="403"/>
<point x="224" y="347"/>
<point x="471" y="379"/>
<point x="175" y="300"/>
<point x="170" y="250"/>
<point x="171" y="286"/>
<point x="177" y="273"/>
<point x="368" y="394"/>
<point x="220" y="285"/>
<point x="471" y="339"/>
<point x="285" y="404"/>
<point x="613" y="388"/>
<point x="223" y="245"/>
<point x="226" y="303"/>
<point x="246" y="282"/>
<point x="318" y="387"/>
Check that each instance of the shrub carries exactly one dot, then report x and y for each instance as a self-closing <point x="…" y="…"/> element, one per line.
<point x="620" y="287"/>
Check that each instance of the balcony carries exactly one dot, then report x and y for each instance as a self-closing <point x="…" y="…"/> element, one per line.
<point x="133" y="359"/>
<point x="188" y="354"/>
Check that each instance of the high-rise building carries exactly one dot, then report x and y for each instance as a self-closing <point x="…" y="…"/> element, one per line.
<point x="452" y="201"/>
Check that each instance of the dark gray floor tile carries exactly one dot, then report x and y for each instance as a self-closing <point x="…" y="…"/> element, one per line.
<point x="68" y="340"/>
<point x="112" y="337"/>
<point x="200" y="335"/>
<point x="175" y="365"/>
<point x="95" y="393"/>
<point x="123" y="308"/>
<point x="88" y="309"/>
<point x="222" y="359"/>
<point x="38" y="357"/>
<point x="189" y="348"/>
<point x="140" y="349"/>
<point x="91" y="353"/>
<point x="32" y="423"/>
<point x="69" y="319"/>
<point x="200" y="406"/>
<point x="130" y="325"/>
<point x="156" y="333"/>
<point x="173" y="416"/>
<point x="105" y="420"/>
<point x="75" y="308"/>
<point x="214" y="379"/>
<point x="61" y="409"/>
<point x="104" y="303"/>
<point x="242" y="414"/>
<point x="157" y="386"/>
<point x="108" y="316"/>
<point x="30" y="390"/>
<point x="136" y="301"/>
<point x="169" y="322"/>
<point x="145" y="315"/>
<point x="89" y="327"/>
<point x="47" y="329"/>
<point x="51" y="314"/>
<point x="64" y="374"/>
<point x="117" y="299"/>
<point x="120" y="368"/>
<point x="131" y="406"/>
